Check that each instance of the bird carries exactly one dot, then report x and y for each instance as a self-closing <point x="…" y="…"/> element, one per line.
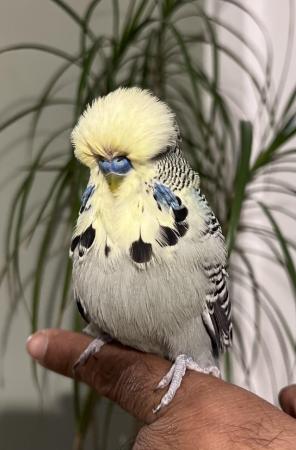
<point x="149" y="256"/>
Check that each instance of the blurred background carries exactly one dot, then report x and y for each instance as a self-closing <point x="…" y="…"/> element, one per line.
<point x="227" y="68"/>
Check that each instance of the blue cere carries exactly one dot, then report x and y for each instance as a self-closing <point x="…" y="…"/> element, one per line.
<point x="85" y="196"/>
<point x="119" y="165"/>
<point x="165" y="196"/>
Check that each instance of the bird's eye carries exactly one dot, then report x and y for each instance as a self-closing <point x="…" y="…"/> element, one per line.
<point x="119" y="165"/>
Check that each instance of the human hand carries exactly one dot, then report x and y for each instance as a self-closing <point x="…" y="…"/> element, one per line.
<point x="206" y="414"/>
<point x="287" y="399"/>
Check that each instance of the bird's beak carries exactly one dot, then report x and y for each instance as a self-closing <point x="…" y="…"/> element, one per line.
<point x="115" y="170"/>
<point x="114" y="181"/>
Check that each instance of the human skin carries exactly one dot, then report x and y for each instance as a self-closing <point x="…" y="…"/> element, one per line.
<point x="206" y="414"/>
<point x="287" y="399"/>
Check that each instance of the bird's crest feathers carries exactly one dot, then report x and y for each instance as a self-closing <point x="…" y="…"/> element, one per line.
<point x="128" y="121"/>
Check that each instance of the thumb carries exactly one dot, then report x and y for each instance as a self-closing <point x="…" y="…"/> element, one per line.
<point x="287" y="399"/>
<point x="122" y="374"/>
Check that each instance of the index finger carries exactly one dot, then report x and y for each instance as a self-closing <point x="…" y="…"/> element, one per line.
<point x="120" y="373"/>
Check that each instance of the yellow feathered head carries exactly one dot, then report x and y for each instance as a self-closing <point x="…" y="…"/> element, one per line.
<point x="128" y="122"/>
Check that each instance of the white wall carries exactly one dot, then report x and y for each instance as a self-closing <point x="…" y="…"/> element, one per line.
<point x="273" y="17"/>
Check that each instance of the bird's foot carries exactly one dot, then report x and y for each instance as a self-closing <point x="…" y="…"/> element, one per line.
<point x="90" y="350"/>
<point x="175" y="375"/>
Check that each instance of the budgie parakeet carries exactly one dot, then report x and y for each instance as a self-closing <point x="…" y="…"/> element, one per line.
<point x="148" y="252"/>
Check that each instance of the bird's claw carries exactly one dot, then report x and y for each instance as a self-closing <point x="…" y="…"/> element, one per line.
<point x="175" y="375"/>
<point x="90" y="350"/>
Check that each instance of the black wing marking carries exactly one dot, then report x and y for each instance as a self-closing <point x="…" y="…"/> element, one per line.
<point x="84" y="314"/>
<point x="217" y="314"/>
<point x="212" y="225"/>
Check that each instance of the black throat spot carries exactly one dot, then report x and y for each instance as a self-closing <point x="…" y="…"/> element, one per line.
<point x="140" y="251"/>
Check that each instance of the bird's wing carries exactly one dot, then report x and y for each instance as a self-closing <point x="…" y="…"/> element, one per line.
<point x="217" y="314"/>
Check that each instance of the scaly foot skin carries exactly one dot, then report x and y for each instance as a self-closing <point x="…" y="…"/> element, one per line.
<point x="90" y="350"/>
<point x="175" y="375"/>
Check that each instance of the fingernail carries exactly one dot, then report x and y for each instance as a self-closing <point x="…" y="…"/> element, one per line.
<point x="37" y="345"/>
